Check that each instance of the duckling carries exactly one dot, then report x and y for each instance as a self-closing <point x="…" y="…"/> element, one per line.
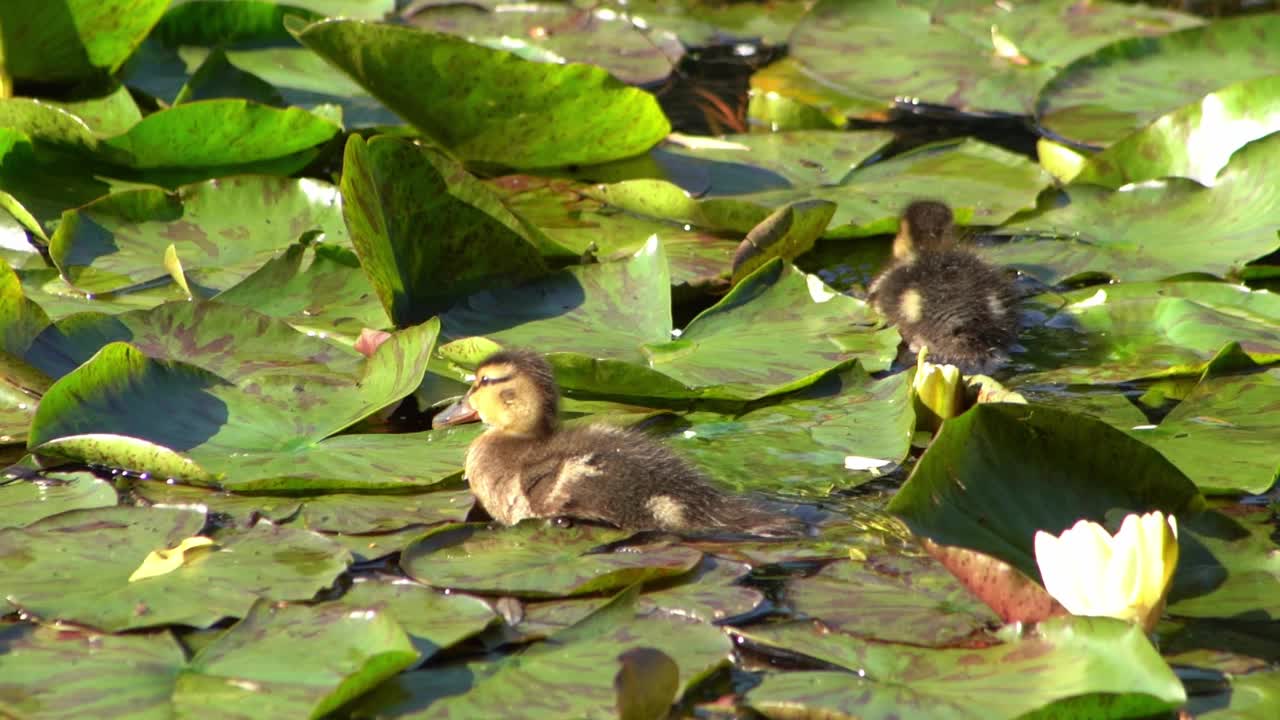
<point x="942" y="296"/>
<point x="526" y="465"/>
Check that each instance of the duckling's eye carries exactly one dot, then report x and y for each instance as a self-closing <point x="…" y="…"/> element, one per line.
<point x="486" y="379"/>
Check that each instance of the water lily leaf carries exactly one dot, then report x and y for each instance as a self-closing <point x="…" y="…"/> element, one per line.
<point x="109" y="114"/>
<point x="259" y="421"/>
<point x="316" y="288"/>
<point x="998" y="473"/>
<point x="163" y="562"/>
<point x="217" y="22"/>
<point x="636" y="55"/>
<point x="801" y="444"/>
<point x="647" y="684"/>
<point x="1100" y="98"/>
<point x="347" y="513"/>
<point x="243" y="510"/>
<point x="1201" y="230"/>
<point x="563" y="210"/>
<point x="536" y="559"/>
<point x="984" y="184"/>
<point x="552" y="114"/>
<point x="73" y="39"/>
<point x="433" y="620"/>
<point x="787" y="233"/>
<point x="48" y="289"/>
<point x="1195" y="141"/>
<point x="295" y="661"/>
<point x="892" y="598"/>
<point x="958" y="69"/>
<point x="812" y="101"/>
<point x="710" y="593"/>
<point x="219" y="133"/>
<point x="222" y="229"/>
<point x="24" y="502"/>
<point x="1088" y="667"/>
<point x="599" y="309"/>
<point x="215" y="77"/>
<point x="474" y="239"/>
<point x="20" y="385"/>
<point x="1130" y="331"/>
<point x="69" y="672"/>
<point x="1229" y="566"/>
<point x="1236" y="412"/>
<point x="570" y="674"/>
<point x="75" y="567"/>
<point x="775" y="301"/>
<point x="1250" y="697"/>
<point x="699" y="24"/>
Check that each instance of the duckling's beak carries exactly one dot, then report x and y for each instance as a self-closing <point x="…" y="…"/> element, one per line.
<point x="456" y="414"/>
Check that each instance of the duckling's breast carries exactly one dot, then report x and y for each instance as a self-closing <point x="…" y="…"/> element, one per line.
<point x="494" y="471"/>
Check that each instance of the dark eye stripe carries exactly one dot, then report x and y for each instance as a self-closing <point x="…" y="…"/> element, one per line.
<point x="493" y="379"/>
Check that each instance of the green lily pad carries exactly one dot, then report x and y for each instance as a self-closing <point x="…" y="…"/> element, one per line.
<point x="1189" y="142"/>
<point x="239" y="509"/>
<point x="434" y="620"/>
<point x="1250" y="697"/>
<point x="710" y="593"/>
<point x="1076" y="667"/>
<point x="302" y="79"/>
<point x="984" y="184"/>
<point x="1100" y="98"/>
<point x="536" y="559"/>
<point x="571" y="674"/>
<point x="109" y="114"/>
<point x="47" y="288"/>
<point x="398" y="193"/>
<point x="892" y="598"/>
<point x="1091" y="230"/>
<point x="1229" y="567"/>
<point x="316" y="288"/>
<point x="700" y="23"/>
<point x="1235" y="412"/>
<point x="294" y="661"/>
<point x="255" y="423"/>
<point x="803" y="443"/>
<point x="23" y="502"/>
<point x="216" y="78"/>
<point x="998" y="473"/>
<point x="217" y="22"/>
<point x="354" y="514"/>
<point x="916" y="56"/>
<point x="65" y="672"/>
<point x="75" y="567"/>
<point x="786" y="93"/>
<point x="223" y="231"/>
<point x="73" y="39"/>
<point x="634" y="55"/>
<point x="552" y="114"/>
<point x="1131" y="331"/>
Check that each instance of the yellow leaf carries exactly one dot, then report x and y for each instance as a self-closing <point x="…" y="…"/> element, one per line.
<point x="163" y="562"/>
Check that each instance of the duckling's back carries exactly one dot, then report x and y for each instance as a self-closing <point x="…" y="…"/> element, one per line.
<point x="953" y="303"/>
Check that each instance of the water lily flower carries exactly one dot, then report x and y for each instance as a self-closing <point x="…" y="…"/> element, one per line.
<point x="1127" y="576"/>
<point x="939" y="391"/>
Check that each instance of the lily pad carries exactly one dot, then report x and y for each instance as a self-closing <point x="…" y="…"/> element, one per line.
<point x="1236" y="412"/>
<point x="552" y="114"/>
<point x="23" y="502"/>
<point x="243" y="510"/>
<point x="1100" y="98"/>
<point x="536" y="559"/>
<point x="891" y="598"/>
<point x="1156" y="230"/>
<point x="74" y="39"/>
<point x="1085" y="667"/>
<point x="59" y="671"/>
<point x="802" y="443"/>
<point x="356" y="514"/>
<point x="396" y="195"/>
<point x="636" y="55"/>
<point x="434" y="620"/>
<point x="223" y="231"/>
<point x="572" y="673"/>
<point x="998" y="473"/>
<point x="294" y="661"/>
<point x="75" y="567"/>
<point x="1189" y="142"/>
<point x="1229" y="567"/>
<point x="1130" y="331"/>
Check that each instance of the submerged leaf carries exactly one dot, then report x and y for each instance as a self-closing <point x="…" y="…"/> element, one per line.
<point x="163" y="562"/>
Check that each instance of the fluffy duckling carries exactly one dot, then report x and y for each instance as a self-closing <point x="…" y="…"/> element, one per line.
<point x="526" y="466"/>
<point x="943" y="297"/>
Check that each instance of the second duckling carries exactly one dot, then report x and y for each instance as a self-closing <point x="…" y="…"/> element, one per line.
<point x="527" y="466"/>
<point x="942" y="296"/>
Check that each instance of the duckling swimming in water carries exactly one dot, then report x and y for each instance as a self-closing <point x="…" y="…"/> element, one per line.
<point x="526" y="466"/>
<point x="943" y="297"/>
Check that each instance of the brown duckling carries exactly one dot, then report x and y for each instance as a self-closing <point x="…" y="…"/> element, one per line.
<point x="942" y="296"/>
<point x="526" y="465"/>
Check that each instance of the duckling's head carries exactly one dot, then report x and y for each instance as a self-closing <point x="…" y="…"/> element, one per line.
<point x="925" y="225"/>
<point x="514" y="393"/>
